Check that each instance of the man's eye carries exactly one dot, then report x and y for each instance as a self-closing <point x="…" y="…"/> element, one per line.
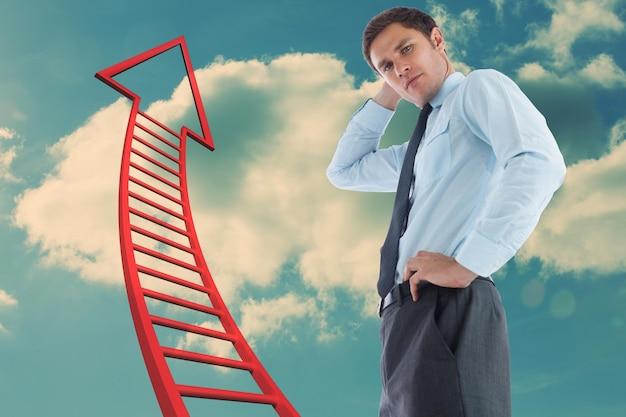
<point x="406" y="48"/>
<point x="386" y="67"/>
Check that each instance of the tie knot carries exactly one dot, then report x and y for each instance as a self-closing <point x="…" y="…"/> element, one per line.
<point x="427" y="108"/>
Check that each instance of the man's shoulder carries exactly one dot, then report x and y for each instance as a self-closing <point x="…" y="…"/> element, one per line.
<point x="484" y="77"/>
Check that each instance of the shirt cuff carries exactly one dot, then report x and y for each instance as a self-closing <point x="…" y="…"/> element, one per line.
<point x="373" y="116"/>
<point x="481" y="255"/>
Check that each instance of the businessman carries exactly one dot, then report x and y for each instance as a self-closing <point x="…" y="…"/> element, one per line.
<point x="471" y="184"/>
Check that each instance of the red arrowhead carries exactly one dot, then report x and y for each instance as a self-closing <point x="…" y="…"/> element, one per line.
<point x="106" y="75"/>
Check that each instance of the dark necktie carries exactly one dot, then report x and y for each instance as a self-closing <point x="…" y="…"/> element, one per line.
<point x="399" y="218"/>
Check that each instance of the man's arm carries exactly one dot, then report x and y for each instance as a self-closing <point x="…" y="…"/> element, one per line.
<point x="499" y="113"/>
<point x="358" y="164"/>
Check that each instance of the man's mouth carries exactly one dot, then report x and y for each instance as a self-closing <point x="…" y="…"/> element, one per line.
<point x="411" y="81"/>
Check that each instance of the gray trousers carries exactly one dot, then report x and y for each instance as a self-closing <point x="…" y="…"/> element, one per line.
<point x="447" y="355"/>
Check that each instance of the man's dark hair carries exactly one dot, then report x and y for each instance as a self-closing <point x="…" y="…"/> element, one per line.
<point x="408" y="17"/>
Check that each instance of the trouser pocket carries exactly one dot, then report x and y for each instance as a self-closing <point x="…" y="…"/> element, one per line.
<point x="444" y="320"/>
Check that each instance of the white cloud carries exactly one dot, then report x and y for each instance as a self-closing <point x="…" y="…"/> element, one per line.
<point x="499" y="6"/>
<point x="207" y="345"/>
<point x="532" y="71"/>
<point x="581" y="230"/>
<point x="72" y="215"/>
<point x="457" y="31"/>
<point x="262" y="320"/>
<point x="600" y="71"/>
<point x="265" y="320"/>
<point x="7" y="154"/>
<point x="6" y="160"/>
<point x="570" y="21"/>
<point x="6" y="300"/>
<point x="7" y="133"/>
<point x="617" y="134"/>
<point x="604" y="71"/>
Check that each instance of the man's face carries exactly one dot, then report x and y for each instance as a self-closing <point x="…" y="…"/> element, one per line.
<point x="400" y="54"/>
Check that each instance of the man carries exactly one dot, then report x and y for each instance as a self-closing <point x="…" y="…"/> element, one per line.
<point x="470" y="185"/>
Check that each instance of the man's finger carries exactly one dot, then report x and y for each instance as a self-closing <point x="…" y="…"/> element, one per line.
<point x="413" y="287"/>
<point x="407" y="270"/>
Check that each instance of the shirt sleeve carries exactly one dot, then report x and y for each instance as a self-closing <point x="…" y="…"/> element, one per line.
<point x="498" y="112"/>
<point x="358" y="164"/>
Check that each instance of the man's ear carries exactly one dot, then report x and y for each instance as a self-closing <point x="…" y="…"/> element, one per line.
<point x="436" y="32"/>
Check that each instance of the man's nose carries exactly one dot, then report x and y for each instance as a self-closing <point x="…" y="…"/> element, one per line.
<point x="402" y="70"/>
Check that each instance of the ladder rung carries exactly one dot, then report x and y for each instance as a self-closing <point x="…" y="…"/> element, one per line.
<point x="155" y="176"/>
<point x="220" y="394"/>
<point x="157" y="206"/>
<point x="160" y="238"/>
<point x="179" y="301"/>
<point x="154" y="161"/>
<point x="156" y="149"/>
<point x="166" y="258"/>
<point x="179" y="325"/>
<point x="157" y="221"/>
<point x="155" y="190"/>
<point x="173" y="279"/>
<point x="156" y="122"/>
<point x="204" y="358"/>
<point x="159" y="137"/>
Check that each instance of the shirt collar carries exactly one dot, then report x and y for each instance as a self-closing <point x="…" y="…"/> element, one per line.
<point x="449" y="84"/>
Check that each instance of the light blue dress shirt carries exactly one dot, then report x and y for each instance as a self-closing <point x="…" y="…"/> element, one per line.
<point x="485" y="170"/>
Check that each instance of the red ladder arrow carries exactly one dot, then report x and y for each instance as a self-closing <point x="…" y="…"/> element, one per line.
<point x="157" y="157"/>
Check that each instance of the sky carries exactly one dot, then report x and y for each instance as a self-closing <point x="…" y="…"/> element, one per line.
<point x="295" y="258"/>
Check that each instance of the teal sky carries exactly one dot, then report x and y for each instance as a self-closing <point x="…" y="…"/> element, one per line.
<point x="295" y="258"/>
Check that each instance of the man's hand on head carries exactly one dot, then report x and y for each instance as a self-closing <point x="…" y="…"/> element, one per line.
<point x="437" y="268"/>
<point x="387" y="97"/>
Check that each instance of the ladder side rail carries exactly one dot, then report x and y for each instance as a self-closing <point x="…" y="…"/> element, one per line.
<point x="161" y="378"/>
<point x="261" y="376"/>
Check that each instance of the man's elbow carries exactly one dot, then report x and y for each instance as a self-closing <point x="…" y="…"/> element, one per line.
<point x="342" y="178"/>
<point x="336" y="176"/>
<point x="333" y="175"/>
